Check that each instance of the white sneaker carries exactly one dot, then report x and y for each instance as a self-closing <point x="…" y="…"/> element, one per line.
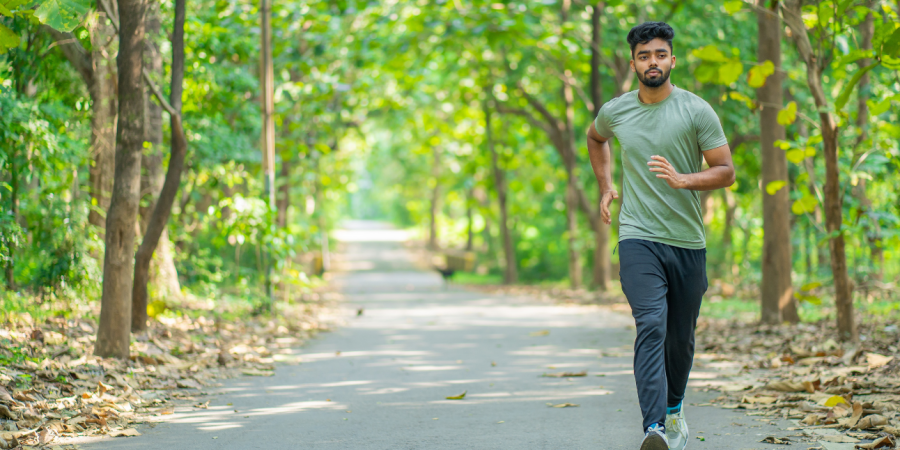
<point x="655" y="439"/>
<point x="677" y="430"/>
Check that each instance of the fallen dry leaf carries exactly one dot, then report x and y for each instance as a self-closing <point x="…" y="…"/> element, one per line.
<point x="125" y="432"/>
<point x="839" y="438"/>
<point x="457" y="397"/>
<point x="885" y="442"/>
<point x="875" y="360"/>
<point x="583" y="373"/>
<point x="872" y="421"/>
<point x="539" y="333"/>
<point x="258" y="373"/>
<point x="562" y="405"/>
<point x="776" y="440"/>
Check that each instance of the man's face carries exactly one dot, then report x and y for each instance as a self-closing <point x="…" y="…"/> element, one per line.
<point x="652" y="62"/>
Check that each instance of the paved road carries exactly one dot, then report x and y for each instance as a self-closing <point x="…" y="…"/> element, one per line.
<point x="380" y="381"/>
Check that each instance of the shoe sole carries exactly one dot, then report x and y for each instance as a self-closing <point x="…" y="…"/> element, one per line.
<point x="654" y="443"/>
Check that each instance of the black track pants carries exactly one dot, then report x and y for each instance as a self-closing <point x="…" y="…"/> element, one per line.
<point x="664" y="286"/>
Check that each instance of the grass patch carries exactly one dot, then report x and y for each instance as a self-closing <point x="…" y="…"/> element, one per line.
<point x="474" y="278"/>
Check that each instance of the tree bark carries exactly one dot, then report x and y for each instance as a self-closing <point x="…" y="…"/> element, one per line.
<point x="163" y="208"/>
<point x="727" y="230"/>
<point x="470" y="232"/>
<point x="104" y="109"/>
<point x="267" y="141"/>
<point x="163" y="274"/>
<point x="777" y="294"/>
<point x="843" y="298"/>
<point x="510" y="271"/>
<point x="10" y="266"/>
<point x="435" y="199"/>
<point x="601" y="230"/>
<point x="115" y="311"/>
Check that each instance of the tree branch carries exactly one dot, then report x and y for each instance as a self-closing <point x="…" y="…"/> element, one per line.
<point x="154" y="89"/>
<point x="74" y="52"/>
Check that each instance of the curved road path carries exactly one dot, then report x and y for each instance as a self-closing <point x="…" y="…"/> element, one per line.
<point x="380" y="380"/>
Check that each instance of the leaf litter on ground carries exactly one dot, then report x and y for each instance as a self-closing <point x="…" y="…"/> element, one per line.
<point x="791" y="372"/>
<point x="52" y="387"/>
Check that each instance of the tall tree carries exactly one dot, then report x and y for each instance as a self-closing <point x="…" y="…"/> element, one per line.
<point x="114" y="330"/>
<point x="97" y="68"/>
<point x="601" y="246"/>
<point x="510" y="271"/>
<point x="267" y="99"/>
<point x="156" y="225"/>
<point x="871" y="227"/>
<point x="777" y="294"/>
<point x="815" y="65"/>
<point x="433" y="241"/>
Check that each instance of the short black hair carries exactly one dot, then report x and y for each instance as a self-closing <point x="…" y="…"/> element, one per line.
<point x="648" y="31"/>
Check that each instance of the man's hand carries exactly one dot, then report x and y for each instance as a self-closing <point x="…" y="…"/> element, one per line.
<point x="665" y="171"/>
<point x="607" y="199"/>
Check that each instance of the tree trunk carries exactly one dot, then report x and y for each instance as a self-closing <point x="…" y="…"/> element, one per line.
<point x="114" y="329"/>
<point x="727" y="230"/>
<point x="163" y="274"/>
<point x="104" y="108"/>
<point x="470" y="232"/>
<point x="601" y="230"/>
<point x="267" y="141"/>
<point x="163" y="208"/>
<point x="871" y="227"/>
<point x="777" y="294"/>
<point x="510" y="271"/>
<point x="284" y="199"/>
<point x="435" y="199"/>
<point x="9" y="268"/>
<point x="843" y="298"/>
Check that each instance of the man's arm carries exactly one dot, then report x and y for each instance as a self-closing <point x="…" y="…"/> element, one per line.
<point x="720" y="173"/>
<point x="598" y="150"/>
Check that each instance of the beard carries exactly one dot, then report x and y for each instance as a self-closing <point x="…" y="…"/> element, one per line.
<point x="656" y="82"/>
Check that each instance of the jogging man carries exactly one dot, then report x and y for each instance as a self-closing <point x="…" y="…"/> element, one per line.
<point x="664" y="133"/>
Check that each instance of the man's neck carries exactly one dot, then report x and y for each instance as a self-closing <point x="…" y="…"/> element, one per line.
<point x="649" y="95"/>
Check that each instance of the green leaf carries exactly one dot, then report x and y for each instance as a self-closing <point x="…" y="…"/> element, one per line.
<point x="758" y="74"/>
<point x="710" y="53"/>
<point x="796" y="156"/>
<point x="891" y="45"/>
<point x="817" y="139"/>
<point x="733" y="6"/>
<point x="810" y="286"/>
<point x="848" y="89"/>
<point x="805" y="204"/>
<point x="811" y="299"/>
<point x="788" y="115"/>
<point x="707" y="72"/>
<point x="63" y="15"/>
<point x="877" y="109"/>
<point x="8" y="39"/>
<point x="730" y="72"/>
<point x="782" y="144"/>
<point x="810" y="152"/>
<point x="774" y="186"/>
<point x="734" y="95"/>
<point x="6" y="12"/>
<point x="802" y="178"/>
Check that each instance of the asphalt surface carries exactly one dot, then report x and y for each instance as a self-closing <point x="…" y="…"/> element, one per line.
<point x="381" y="380"/>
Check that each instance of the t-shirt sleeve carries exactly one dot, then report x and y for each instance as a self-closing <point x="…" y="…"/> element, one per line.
<point x="601" y="123"/>
<point x="709" y="130"/>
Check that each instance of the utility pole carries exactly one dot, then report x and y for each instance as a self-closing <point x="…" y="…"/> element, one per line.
<point x="267" y="81"/>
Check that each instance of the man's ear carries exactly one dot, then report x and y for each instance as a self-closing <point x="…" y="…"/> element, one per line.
<point x="631" y="63"/>
<point x="673" y="61"/>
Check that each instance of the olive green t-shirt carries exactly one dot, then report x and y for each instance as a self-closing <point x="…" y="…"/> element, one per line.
<point x="678" y="128"/>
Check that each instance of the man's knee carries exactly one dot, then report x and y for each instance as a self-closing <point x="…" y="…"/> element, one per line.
<point x="651" y="327"/>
